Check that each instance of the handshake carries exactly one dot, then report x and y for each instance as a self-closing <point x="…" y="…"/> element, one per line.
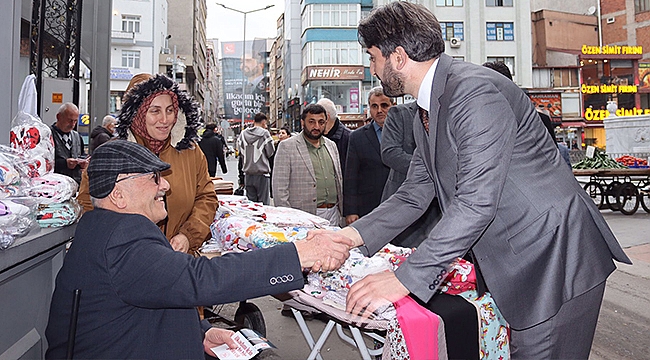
<point x="324" y="250"/>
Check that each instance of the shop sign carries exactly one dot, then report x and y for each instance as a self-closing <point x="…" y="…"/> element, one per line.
<point x="548" y="101"/>
<point x="612" y="50"/>
<point x="596" y="115"/>
<point x="121" y="74"/>
<point x="332" y="73"/>
<point x="608" y="89"/>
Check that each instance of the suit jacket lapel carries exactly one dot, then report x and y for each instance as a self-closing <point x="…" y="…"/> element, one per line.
<point x="437" y="91"/>
<point x="303" y="152"/>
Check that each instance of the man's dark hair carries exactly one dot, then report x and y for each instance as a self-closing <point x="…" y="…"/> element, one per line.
<point x="401" y="23"/>
<point x="286" y="129"/>
<point x="259" y="117"/>
<point x="210" y="127"/>
<point x="313" y="109"/>
<point x="500" y="67"/>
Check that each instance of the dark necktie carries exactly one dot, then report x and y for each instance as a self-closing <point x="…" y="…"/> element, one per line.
<point x="424" y="116"/>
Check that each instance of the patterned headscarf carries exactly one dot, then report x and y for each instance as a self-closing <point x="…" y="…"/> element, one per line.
<point x="139" y="126"/>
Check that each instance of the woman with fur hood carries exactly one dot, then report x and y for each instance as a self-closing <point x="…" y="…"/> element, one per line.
<point x="150" y="116"/>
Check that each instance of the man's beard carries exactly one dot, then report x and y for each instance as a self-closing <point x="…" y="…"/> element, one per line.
<point x="393" y="84"/>
<point x="309" y="135"/>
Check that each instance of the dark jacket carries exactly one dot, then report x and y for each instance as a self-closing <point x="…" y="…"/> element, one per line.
<point x="61" y="153"/>
<point x="212" y="147"/>
<point x="365" y="173"/>
<point x="138" y="294"/>
<point x="98" y="136"/>
<point x="340" y="134"/>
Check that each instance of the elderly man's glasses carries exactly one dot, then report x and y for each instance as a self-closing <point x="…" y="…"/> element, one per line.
<point x="155" y="175"/>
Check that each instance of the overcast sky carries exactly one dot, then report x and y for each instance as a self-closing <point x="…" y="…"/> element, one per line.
<point x="227" y="25"/>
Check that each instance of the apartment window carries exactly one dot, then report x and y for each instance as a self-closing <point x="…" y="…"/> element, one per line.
<point x="452" y="29"/>
<point x="509" y="61"/>
<point x="326" y="15"/>
<point x="641" y="5"/>
<point x="498" y="2"/>
<point x="131" y="23"/>
<point x="131" y="59"/>
<point x="565" y="78"/>
<point x="449" y="2"/>
<point x="501" y="31"/>
<point x="332" y="53"/>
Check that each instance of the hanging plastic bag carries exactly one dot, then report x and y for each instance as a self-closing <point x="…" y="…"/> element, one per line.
<point x="29" y="134"/>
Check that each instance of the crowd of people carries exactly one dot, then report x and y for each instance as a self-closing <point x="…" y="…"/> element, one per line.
<point x="467" y="171"/>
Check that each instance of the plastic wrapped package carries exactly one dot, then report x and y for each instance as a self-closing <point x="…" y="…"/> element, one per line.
<point x="14" y="170"/>
<point x="34" y="138"/>
<point x="29" y="134"/>
<point x="16" y="219"/>
<point x="53" y="188"/>
<point x="58" y="214"/>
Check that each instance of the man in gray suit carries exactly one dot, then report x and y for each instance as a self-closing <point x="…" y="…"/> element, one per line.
<point x="397" y="147"/>
<point x="505" y="193"/>
<point x="307" y="170"/>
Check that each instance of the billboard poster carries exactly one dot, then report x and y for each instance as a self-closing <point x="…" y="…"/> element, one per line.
<point x="247" y="66"/>
<point x="549" y="103"/>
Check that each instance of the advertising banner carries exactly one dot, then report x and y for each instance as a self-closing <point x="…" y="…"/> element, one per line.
<point x="251" y="73"/>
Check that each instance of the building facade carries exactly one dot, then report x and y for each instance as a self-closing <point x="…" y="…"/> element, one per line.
<point x="138" y="36"/>
<point x="276" y="79"/>
<point x="187" y="30"/>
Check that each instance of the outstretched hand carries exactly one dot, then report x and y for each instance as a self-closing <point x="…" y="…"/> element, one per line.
<point x="323" y="251"/>
<point x="373" y="292"/>
<point x="215" y="337"/>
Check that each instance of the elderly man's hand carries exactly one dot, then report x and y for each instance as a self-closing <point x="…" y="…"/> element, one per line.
<point x="215" y="337"/>
<point x="373" y="292"/>
<point x="71" y="163"/>
<point x="323" y="252"/>
<point x="180" y="242"/>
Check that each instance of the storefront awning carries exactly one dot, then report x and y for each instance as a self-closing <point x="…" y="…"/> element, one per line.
<point x="574" y="124"/>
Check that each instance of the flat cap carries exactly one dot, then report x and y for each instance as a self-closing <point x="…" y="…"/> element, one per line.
<point x="119" y="157"/>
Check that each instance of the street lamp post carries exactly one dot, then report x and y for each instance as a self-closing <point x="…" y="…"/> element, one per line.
<point x="243" y="83"/>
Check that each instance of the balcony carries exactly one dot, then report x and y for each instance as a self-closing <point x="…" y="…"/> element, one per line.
<point x="122" y="38"/>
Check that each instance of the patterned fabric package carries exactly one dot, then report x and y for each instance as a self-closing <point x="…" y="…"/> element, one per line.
<point x="494" y="330"/>
<point x="29" y="134"/>
<point x="16" y="220"/>
<point x="58" y="214"/>
<point x="53" y="188"/>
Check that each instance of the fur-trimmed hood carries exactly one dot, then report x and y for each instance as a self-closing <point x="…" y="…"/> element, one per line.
<point x="189" y="117"/>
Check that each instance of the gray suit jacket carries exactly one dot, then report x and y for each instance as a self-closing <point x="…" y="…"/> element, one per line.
<point x="397" y="145"/>
<point x="294" y="181"/>
<point x="504" y="192"/>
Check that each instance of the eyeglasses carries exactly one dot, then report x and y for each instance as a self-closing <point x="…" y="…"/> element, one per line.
<point x="156" y="177"/>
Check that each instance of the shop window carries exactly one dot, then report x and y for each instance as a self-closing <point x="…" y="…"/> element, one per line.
<point x="452" y="30"/>
<point x="501" y="31"/>
<point x="449" y="2"/>
<point x="641" y="6"/>
<point x="509" y="61"/>
<point x="131" y="23"/>
<point x="565" y="78"/>
<point x="498" y="2"/>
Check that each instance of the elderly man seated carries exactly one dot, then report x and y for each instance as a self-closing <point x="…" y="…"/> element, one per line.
<point x="138" y="294"/>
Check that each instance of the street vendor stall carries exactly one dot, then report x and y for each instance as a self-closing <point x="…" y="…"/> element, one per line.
<point x="27" y="272"/>
<point x="618" y="189"/>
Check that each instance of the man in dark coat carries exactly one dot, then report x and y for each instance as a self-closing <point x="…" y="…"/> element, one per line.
<point x="213" y="150"/>
<point x="335" y="130"/>
<point x="138" y="295"/>
<point x="69" y="154"/>
<point x="102" y="133"/>
<point x="365" y="173"/>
